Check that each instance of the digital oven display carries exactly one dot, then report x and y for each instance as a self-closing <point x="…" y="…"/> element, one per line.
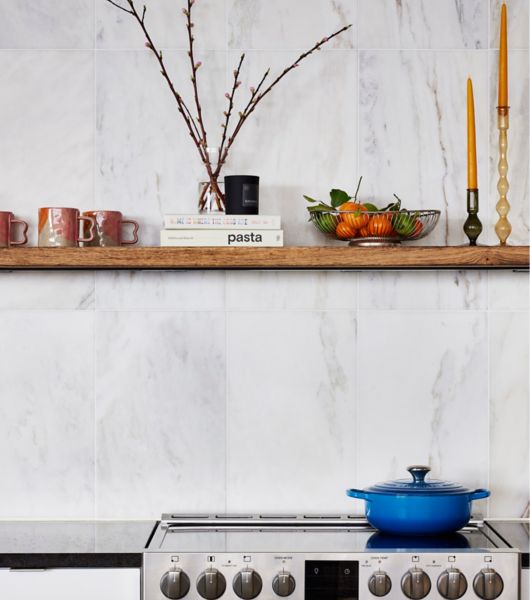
<point x="331" y="580"/>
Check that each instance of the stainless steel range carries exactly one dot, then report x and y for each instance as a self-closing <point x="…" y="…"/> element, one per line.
<point x="322" y="558"/>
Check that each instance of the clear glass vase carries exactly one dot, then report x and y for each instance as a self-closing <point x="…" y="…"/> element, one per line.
<point x="209" y="200"/>
<point x="211" y="194"/>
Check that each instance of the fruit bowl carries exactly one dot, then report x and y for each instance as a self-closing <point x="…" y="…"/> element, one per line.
<point x="375" y="228"/>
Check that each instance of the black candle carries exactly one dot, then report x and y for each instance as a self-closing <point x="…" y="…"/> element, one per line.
<point x="241" y="194"/>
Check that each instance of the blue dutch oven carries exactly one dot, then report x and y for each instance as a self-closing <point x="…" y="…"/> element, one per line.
<point x="418" y="507"/>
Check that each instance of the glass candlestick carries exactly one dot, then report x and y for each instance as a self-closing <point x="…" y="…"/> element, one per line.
<point x="472" y="226"/>
<point x="503" y="227"/>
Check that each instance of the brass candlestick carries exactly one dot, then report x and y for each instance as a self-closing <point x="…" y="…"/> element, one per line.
<point x="472" y="226"/>
<point x="503" y="227"/>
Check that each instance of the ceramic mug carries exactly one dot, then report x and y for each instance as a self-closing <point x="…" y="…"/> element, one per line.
<point x="7" y="219"/>
<point x="59" y="227"/>
<point x="109" y="228"/>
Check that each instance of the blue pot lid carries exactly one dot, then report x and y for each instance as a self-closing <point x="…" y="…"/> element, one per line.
<point x="418" y="485"/>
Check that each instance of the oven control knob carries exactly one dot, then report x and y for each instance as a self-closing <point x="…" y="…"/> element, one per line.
<point x="488" y="584"/>
<point x="211" y="584"/>
<point x="452" y="584"/>
<point x="379" y="583"/>
<point x="415" y="584"/>
<point x="175" y="584"/>
<point x="283" y="584"/>
<point x="247" y="584"/>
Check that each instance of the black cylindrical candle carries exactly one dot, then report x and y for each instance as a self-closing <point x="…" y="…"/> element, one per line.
<point x="241" y="194"/>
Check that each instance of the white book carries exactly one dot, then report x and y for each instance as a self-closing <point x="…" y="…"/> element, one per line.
<point x="222" y="221"/>
<point x="222" y="237"/>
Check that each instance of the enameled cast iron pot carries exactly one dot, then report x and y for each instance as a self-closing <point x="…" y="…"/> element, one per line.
<point x="418" y="507"/>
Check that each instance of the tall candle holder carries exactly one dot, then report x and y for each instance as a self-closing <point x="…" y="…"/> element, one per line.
<point x="472" y="226"/>
<point x="503" y="227"/>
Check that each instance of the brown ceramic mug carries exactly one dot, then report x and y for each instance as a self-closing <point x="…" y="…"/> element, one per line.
<point x="109" y="228"/>
<point x="59" y="227"/>
<point x="7" y="220"/>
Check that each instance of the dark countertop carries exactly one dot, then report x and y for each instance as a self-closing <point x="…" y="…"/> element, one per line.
<point x="73" y="544"/>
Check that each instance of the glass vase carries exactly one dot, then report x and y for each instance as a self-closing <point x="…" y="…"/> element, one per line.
<point x="209" y="199"/>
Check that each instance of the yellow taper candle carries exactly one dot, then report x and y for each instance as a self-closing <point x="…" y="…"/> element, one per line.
<point x="503" y="61"/>
<point x="471" y="141"/>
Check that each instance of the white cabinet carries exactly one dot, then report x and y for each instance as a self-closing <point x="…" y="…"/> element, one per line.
<point x="69" y="584"/>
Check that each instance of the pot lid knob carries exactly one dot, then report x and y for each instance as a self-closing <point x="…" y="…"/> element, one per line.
<point x="418" y="473"/>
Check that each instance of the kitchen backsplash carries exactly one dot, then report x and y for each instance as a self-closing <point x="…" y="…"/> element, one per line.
<point x="126" y="394"/>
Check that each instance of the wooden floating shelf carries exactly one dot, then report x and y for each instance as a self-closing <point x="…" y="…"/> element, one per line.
<point x="289" y="258"/>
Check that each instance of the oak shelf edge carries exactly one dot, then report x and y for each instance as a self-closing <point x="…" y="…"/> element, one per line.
<point x="286" y="258"/>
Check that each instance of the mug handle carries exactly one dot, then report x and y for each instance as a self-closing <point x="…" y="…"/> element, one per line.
<point x="135" y="233"/>
<point x="91" y="232"/>
<point x="24" y="233"/>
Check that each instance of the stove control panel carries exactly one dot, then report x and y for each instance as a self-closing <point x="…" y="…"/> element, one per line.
<point x="359" y="576"/>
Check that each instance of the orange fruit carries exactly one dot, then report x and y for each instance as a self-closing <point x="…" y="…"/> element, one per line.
<point x="380" y="226"/>
<point x="344" y="231"/>
<point x="363" y="232"/>
<point x="356" y="215"/>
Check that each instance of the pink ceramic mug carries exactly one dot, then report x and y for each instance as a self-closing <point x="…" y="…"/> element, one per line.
<point x="59" y="227"/>
<point x="7" y="219"/>
<point x="109" y="228"/>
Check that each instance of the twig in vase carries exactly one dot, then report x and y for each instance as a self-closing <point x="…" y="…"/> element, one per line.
<point x="257" y="97"/>
<point x="182" y="107"/>
<point x="230" y="97"/>
<point x="195" y="125"/>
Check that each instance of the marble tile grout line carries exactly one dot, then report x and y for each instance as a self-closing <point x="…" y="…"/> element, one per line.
<point x="358" y="279"/>
<point x="225" y="275"/>
<point x="94" y="322"/>
<point x="488" y="333"/>
<point x="227" y="426"/>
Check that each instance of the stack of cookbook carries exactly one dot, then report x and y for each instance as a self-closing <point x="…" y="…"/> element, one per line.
<point x="217" y="229"/>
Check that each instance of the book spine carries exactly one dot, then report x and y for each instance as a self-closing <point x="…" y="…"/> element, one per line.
<point x="221" y="222"/>
<point x="230" y="237"/>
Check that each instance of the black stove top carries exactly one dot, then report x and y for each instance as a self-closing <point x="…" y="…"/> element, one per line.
<point x="328" y="533"/>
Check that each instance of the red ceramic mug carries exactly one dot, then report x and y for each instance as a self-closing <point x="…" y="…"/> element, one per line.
<point x="59" y="227"/>
<point x="109" y="228"/>
<point x="7" y="220"/>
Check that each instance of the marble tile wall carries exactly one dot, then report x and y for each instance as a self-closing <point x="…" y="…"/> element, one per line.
<point x="129" y="394"/>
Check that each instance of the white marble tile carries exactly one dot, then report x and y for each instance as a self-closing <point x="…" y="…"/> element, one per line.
<point x="509" y="411"/>
<point x="290" y="411"/>
<point x="160" y="413"/>
<point x="517" y="23"/>
<point x="424" y="290"/>
<point x="47" y="147"/>
<point x="318" y="153"/>
<point x="508" y="290"/>
<point x="278" y="25"/>
<point x="143" y="290"/>
<point x="165" y="23"/>
<point x="50" y="290"/>
<point x="147" y="165"/>
<point x="287" y="291"/>
<point x="423" y="24"/>
<point x="423" y="396"/>
<point x="518" y="148"/>
<point x="47" y="24"/>
<point x="46" y="414"/>
<point x="413" y="132"/>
